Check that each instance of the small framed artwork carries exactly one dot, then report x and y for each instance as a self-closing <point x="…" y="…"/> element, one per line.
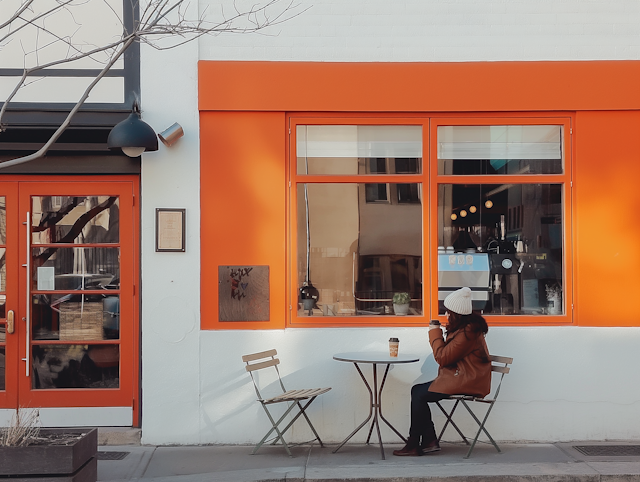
<point x="243" y="293"/>
<point x="170" y="229"/>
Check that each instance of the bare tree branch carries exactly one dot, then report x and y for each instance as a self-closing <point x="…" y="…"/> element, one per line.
<point x="16" y="14"/>
<point x="159" y="20"/>
<point x="54" y="137"/>
<point x="27" y="72"/>
<point x="31" y="21"/>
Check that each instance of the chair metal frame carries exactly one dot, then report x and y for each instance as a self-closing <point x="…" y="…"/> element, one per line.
<point x="502" y="367"/>
<point x="294" y="396"/>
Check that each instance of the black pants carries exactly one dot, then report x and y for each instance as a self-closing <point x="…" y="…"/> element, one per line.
<point x="421" y="423"/>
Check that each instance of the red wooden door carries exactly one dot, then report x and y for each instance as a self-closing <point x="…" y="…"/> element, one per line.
<point x="9" y="315"/>
<point x="71" y="270"/>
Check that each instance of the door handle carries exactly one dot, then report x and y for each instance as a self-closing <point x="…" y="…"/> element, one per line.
<point x="10" y="322"/>
<point x="27" y="318"/>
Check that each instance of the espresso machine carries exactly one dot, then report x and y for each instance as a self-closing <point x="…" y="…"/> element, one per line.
<point x="505" y="268"/>
<point x="457" y="270"/>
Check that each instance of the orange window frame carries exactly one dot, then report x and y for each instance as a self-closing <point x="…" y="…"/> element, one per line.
<point x="564" y="179"/>
<point x="431" y="181"/>
<point x="296" y="179"/>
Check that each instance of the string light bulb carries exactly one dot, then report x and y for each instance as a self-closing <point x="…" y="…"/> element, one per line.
<point x="488" y="204"/>
<point x="463" y="214"/>
<point x="472" y="209"/>
<point x="454" y="216"/>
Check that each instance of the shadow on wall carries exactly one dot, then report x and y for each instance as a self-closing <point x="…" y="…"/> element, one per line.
<point x="428" y="370"/>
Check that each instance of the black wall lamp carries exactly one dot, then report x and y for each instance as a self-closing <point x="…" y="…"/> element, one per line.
<point x="133" y="135"/>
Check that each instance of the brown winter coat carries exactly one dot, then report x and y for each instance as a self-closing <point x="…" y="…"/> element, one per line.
<point x="465" y="368"/>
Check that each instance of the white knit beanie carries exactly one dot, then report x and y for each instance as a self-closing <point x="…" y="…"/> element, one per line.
<point x="459" y="301"/>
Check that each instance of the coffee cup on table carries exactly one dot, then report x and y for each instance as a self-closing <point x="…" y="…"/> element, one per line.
<point x="393" y="347"/>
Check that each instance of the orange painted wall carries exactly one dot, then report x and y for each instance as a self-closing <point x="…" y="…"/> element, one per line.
<point x="418" y="87"/>
<point x="243" y="189"/>
<point x="606" y="209"/>
<point x="244" y="150"/>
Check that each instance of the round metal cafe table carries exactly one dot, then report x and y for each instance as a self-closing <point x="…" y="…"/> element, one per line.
<point x="375" y="394"/>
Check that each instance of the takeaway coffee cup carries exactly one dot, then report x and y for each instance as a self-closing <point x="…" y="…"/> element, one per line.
<point x="393" y="347"/>
<point x="435" y="323"/>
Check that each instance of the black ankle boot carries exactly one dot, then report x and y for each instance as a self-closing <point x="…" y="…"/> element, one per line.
<point x="412" y="449"/>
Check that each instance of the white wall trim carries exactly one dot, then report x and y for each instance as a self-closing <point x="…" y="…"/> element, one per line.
<point x="78" y="417"/>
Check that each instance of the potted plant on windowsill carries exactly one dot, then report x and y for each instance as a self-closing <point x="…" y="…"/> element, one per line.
<point x="401" y="302"/>
<point x="28" y="453"/>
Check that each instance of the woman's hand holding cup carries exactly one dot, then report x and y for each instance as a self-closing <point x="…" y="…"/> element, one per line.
<point x="434" y="324"/>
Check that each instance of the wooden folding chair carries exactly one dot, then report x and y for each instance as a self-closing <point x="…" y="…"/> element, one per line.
<point x="499" y="364"/>
<point x="292" y="396"/>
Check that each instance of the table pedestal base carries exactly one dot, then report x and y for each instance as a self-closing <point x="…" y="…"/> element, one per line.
<point x="375" y="409"/>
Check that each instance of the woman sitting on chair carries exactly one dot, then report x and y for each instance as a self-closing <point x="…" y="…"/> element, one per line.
<point x="464" y="369"/>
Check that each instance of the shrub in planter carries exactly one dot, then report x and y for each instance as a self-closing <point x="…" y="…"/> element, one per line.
<point x="66" y="455"/>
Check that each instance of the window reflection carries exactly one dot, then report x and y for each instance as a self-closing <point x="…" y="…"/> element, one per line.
<point x="357" y="253"/>
<point x="351" y="150"/>
<point x="2" y="367"/>
<point x="75" y="268"/>
<point x="511" y="149"/>
<point x="3" y="269"/>
<point x="75" y="219"/>
<point x="3" y="220"/>
<point x="76" y="366"/>
<point x="505" y="241"/>
<point x="75" y="317"/>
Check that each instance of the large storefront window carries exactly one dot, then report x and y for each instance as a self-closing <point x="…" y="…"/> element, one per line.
<point x="505" y="242"/>
<point x="501" y="232"/>
<point x="358" y="243"/>
<point x="426" y="209"/>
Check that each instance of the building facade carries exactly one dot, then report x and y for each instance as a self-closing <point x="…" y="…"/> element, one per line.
<point x="368" y="148"/>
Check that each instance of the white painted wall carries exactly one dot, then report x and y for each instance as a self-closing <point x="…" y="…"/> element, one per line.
<point x="442" y="31"/>
<point x="171" y="281"/>
<point x="77" y="416"/>
<point x="566" y="383"/>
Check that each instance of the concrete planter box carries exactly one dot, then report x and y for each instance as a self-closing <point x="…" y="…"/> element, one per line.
<point x="75" y="462"/>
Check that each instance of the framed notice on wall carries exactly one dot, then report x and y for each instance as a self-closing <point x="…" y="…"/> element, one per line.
<point x="170" y="229"/>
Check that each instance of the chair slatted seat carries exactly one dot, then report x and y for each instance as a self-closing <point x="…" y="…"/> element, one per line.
<point x="267" y="359"/>
<point x="499" y="365"/>
<point x="293" y="395"/>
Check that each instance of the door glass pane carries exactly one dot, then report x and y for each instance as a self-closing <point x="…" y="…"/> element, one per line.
<point x="75" y="317"/>
<point x="75" y="219"/>
<point x="2" y="368"/>
<point x="356" y="253"/>
<point x="75" y="366"/>
<point x="3" y="287"/>
<point x="3" y="220"/>
<point x="504" y="241"/>
<point x="351" y="150"/>
<point x="75" y="268"/>
<point x="3" y="270"/>
<point x="500" y="150"/>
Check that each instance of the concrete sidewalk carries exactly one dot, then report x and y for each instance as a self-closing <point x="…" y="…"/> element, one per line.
<point x="542" y="462"/>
